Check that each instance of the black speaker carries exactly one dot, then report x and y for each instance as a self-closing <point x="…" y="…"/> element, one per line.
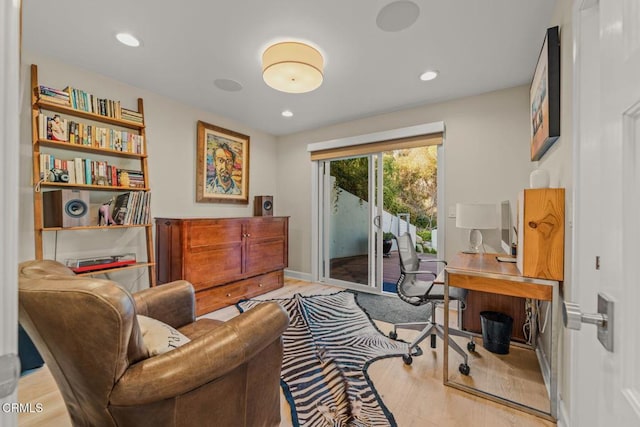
<point x="263" y="206"/>
<point x="66" y="208"/>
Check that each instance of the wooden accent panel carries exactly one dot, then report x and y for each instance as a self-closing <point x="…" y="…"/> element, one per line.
<point x="213" y="267"/>
<point x="477" y="302"/>
<point x="212" y="233"/>
<point x="221" y="296"/>
<point x="221" y="257"/>
<point x="541" y="233"/>
<point x="264" y="255"/>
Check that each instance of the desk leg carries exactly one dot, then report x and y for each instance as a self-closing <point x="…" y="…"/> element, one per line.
<point x="445" y="346"/>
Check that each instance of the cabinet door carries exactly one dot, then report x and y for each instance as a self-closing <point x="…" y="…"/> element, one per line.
<point x="267" y="245"/>
<point x="213" y="252"/>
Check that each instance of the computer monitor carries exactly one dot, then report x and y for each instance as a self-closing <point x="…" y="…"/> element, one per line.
<point x="505" y="227"/>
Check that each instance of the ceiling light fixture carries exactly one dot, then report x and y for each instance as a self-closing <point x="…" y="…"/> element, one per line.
<point x="287" y="113"/>
<point x="292" y="67"/>
<point x="429" y="75"/>
<point x="128" y="39"/>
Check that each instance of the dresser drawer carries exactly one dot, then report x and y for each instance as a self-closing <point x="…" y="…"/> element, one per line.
<point x="208" y="300"/>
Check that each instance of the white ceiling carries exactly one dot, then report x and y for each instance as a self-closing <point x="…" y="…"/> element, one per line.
<point x="477" y="45"/>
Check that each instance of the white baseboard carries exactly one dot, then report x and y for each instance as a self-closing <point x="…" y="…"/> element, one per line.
<point x="563" y="414"/>
<point x="291" y="274"/>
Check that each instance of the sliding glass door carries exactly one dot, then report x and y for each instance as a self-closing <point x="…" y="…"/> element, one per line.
<point x="365" y="201"/>
<point x="351" y="212"/>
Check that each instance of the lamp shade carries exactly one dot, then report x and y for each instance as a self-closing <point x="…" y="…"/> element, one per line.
<point x="478" y="216"/>
<point x="292" y="67"/>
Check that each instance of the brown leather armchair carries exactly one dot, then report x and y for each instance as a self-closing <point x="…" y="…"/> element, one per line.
<point x="87" y="332"/>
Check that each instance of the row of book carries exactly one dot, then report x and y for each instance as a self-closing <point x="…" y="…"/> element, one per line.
<point x="55" y="128"/>
<point x="132" y="208"/>
<point x="84" y="101"/>
<point x="87" y="171"/>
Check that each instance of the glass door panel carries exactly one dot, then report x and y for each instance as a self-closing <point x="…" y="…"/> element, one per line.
<point x="349" y="213"/>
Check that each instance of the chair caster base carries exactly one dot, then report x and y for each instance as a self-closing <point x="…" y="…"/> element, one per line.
<point x="393" y="335"/>
<point x="433" y="341"/>
<point x="471" y="346"/>
<point x="407" y="359"/>
<point x="464" y="369"/>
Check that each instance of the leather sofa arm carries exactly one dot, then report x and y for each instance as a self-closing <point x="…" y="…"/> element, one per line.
<point x="202" y="360"/>
<point x="172" y="303"/>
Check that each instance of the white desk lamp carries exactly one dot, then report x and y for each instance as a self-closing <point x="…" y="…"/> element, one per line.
<point x="476" y="217"/>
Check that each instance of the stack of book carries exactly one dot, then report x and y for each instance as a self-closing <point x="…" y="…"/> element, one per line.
<point x="56" y="96"/>
<point x="132" y="116"/>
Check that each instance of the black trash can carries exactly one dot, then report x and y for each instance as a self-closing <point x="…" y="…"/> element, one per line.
<point x="496" y="331"/>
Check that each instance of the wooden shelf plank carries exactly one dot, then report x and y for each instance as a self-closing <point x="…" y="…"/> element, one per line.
<point x="111" y="270"/>
<point x="89" y="149"/>
<point x="94" y="227"/>
<point x="92" y="187"/>
<point x="59" y="108"/>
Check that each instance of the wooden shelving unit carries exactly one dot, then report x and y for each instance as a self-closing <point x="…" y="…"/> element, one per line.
<point x="39" y="105"/>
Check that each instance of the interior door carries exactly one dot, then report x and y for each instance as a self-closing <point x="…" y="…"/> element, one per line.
<point x="9" y="161"/>
<point x="605" y="385"/>
<point x="351" y="220"/>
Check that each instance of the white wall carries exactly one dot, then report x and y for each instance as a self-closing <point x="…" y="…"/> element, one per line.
<point x="171" y="143"/>
<point x="559" y="162"/>
<point x="486" y="160"/>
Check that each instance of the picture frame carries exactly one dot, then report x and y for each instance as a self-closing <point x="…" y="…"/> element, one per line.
<point x="544" y="96"/>
<point x="222" y="170"/>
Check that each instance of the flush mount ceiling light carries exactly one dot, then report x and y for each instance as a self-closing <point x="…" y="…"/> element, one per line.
<point x="292" y="67"/>
<point x="128" y="39"/>
<point x="429" y="75"/>
<point x="287" y="113"/>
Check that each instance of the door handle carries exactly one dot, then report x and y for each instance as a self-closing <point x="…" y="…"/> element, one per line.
<point x="9" y="374"/>
<point x="376" y="221"/>
<point x="573" y="318"/>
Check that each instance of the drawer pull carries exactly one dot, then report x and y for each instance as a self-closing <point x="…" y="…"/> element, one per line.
<point x="260" y="285"/>
<point x="533" y="224"/>
<point x="228" y="295"/>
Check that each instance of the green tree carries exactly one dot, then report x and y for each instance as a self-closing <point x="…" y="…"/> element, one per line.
<point x="410" y="182"/>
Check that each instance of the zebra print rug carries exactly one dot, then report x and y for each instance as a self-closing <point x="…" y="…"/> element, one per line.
<point x="328" y="347"/>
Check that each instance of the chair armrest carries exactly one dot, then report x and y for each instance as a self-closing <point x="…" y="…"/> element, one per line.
<point x="202" y="360"/>
<point x="172" y="303"/>
<point x="420" y="272"/>
<point x="432" y="260"/>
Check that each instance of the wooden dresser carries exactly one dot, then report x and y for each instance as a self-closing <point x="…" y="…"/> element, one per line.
<point x="226" y="259"/>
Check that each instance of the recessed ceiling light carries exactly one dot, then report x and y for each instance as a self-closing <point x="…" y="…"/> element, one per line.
<point x="429" y="75"/>
<point x="128" y="39"/>
<point x="287" y="113"/>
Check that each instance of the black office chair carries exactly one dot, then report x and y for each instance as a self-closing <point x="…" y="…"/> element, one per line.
<point x="422" y="292"/>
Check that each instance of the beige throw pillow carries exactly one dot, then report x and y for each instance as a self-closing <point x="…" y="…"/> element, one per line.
<point x="159" y="337"/>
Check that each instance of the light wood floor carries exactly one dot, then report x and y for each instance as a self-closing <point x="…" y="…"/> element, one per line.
<point x="414" y="394"/>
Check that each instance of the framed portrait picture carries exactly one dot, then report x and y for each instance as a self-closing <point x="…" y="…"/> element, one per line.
<point x="222" y="172"/>
<point x="544" y="96"/>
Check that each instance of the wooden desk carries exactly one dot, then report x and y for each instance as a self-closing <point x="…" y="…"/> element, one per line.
<point x="482" y="272"/>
